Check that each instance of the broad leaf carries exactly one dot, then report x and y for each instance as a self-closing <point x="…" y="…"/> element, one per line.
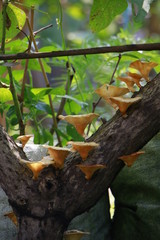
<point x="104" y="11"/>
<point x="16" y="17"/>
<point x="5" y="95"/>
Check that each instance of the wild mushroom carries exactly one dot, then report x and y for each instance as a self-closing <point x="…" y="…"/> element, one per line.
<point x="106" y="91"/>
<point x="89" y="170"/>
<point x="143" y="67"/>
<point x="79" y="121"/>
<point x="58" y="154"/>
<point x="12" y="217"/>
<point x="124" y="103"/>
<point x="24" y="139"/>
<point x="35" y="167"/>
<point x="135" y="77"/>
<point x="130" y="159"/>
<point x="83" y="148"/>
<point x="74" y="234"/>
<point x="129" y="82"/>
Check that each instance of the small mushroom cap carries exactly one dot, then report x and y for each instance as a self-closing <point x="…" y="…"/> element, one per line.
<point x="124" y="103"/>
<point x="79" y="121"/>
<point x="58" y="154"/>
<point x="143" y="67"/>
<point x="106" y="91"/>
<point x="35" y="167"/>
<point x="89" y="170"/>
<point x="24" y="139"/>
<point x="12" y="217"/>
<point x="130" y="159"/>
<point x="129" y="82"/>
<point x="83" y="148"/>
<point x="74" y="234"/>
<point x="135" y="77"/>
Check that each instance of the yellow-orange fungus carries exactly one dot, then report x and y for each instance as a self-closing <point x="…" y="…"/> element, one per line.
<point x="89" y="170"/>
<point x="12" y="217"/>
<point x="58" y="154"/>
<point x="24" y="139"/>
<point x="143" y="67"/>
<point x="124" y="103"/>
<point x="130" y="159"/>
<point x="79" y="121"/>
<point x="83" y="147"/>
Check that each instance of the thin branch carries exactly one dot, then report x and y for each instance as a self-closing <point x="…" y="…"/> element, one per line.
<point x="42" y="29"/>
<point x="47" y="84"/>
<point x="119" y="59"/>
<point x="84" y="51"/>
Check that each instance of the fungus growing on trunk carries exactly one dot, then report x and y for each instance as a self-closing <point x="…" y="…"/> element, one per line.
<point x="12" y="217"/>
<point x="130" y="159"/>
<point x="89" y="170"/>
<point x="79" y="121"/>
<point x="74" y="234"/>
<point x="129" y="82"/>
<point x="58" y="154"/>
<point x="124" y="103"/>
<point x="83" y="148"/>
<point x="35" y="167"/>
<point x="24" y="139"/>
<point x="143" y="67"/>
<point x="135" y="77"/>
<point x="106" y="91"/>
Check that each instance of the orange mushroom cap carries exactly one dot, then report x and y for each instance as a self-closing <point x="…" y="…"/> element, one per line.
<point x="130" y="159"/>
<point x="106" y="91"/>
<point x="83" y="148"/>
<point x="58" y="154"/>
<point x="24" y="139"/>
<point x="79" y="121"/>
<point x="36" y="167"/>
<point x="12" y="217"/>
<point x="124" y="103"/>
<point x="89" y="170"/>
<point x="135" y="77"/>
<point x="74" y="234"/>
<point x="129" y="82"/>
<point x="143" y="67"/>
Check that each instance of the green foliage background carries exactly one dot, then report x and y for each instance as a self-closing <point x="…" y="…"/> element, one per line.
<point x="85" y="24"/>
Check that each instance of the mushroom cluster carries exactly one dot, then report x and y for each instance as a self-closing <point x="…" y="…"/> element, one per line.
<point x="115" y="95"/>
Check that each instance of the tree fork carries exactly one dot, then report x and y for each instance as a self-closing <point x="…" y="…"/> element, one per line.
<point x="63" y="194"/>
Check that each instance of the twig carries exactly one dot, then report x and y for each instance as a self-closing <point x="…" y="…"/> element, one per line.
<point x="47" y="84"/>
<point x="94" y="105"/>
<point x="119" y="59"/>
<point x="85" y="51"/>
<point x="67" y="87"/>
<point x="12" y="85"/>
<point x="111" y="81"/>
<point x="42" y="29"/>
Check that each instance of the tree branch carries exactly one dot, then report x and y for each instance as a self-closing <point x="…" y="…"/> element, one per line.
<point x="63" y="194"/>
<point x="86" y="51"/>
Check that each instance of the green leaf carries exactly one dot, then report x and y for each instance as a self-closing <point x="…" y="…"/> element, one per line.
<point x="74" y="99"/>
<point x="72" y="108"/>
<point x="16" y="17"/>
<point x="71" y="131"/>
<point x="43" y="107"/>
<point x="34" y="65"/>
<point x="5" y="95"/>
<point x="104" y="11"/>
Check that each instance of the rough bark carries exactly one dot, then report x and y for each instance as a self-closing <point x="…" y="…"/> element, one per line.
<point x="45" y="207"/>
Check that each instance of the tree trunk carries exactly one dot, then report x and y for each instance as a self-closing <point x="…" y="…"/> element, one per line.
<point x="44" y="207"/>
<point x="46" y="228"/>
